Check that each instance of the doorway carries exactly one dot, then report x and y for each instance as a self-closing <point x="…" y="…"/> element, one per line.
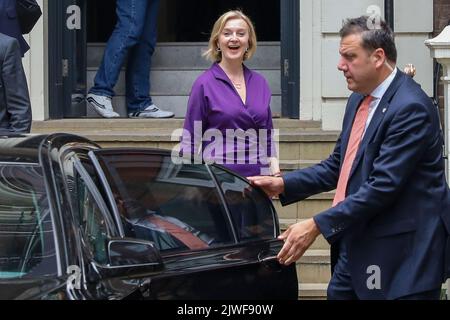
<point x="179" y="22"/>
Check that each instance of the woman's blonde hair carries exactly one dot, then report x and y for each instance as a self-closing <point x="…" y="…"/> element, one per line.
<point x="213" y="53"/>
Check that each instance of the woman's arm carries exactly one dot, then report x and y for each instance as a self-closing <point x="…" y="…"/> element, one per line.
<point x="194" y="123"/>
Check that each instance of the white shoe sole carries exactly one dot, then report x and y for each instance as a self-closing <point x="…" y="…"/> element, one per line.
<point x="101" y="111"/>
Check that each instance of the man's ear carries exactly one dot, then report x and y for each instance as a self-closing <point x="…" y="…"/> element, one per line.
<point x="379" y="57"/>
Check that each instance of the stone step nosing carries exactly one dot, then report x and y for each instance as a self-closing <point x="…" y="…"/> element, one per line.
<point x="313" y="286"/>
<point x="312" y="290"/>
<point x="261" y="44"/>
<point x="179" y="82"/>
<point x="316" y="253"/>
<point x="108" y="127"/>
<point x="186" y="68"/>
<point x="315" y="260"/>
<point x="278" y="123"/>
<point x="149" y="136"/>
<point x="154" y="94"/>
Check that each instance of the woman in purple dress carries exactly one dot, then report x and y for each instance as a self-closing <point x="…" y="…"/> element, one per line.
<point x="228" y="119"/>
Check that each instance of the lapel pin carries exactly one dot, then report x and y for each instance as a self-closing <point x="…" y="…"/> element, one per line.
<point x="384" y="110"/>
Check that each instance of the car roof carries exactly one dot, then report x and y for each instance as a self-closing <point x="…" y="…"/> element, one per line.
<point x="20" y="148"/>
<point x="26" y="148"/>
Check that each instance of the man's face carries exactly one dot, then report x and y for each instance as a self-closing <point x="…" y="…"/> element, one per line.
<point x="357" y="64"/>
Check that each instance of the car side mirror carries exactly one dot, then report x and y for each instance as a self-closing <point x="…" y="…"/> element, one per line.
<point x="129" y="252"/>
<point x="131" y="258"/>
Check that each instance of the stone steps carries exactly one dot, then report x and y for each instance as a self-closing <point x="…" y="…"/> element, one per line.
<point x="179" y="82"/>
<point x="182" y="55"/>
<point x="312" y="291"/>
<point x="175" y="66"/>
<point x="170" y="90"/>
<point x="319" y="244"/>
<point x="301" y="142"/>
<point x="304" y="209"/>
<point x="289" y="125"/>
<point x="314" y="267"/>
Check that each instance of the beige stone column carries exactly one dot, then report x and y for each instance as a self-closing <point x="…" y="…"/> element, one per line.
<point x="35" y="65"/>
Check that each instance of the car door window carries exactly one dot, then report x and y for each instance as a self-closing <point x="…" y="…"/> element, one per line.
<point x="27" y="246"/>
<point x="93" y="216"/>
<point x="175" y="206"/>
<point x="252" y="212"/>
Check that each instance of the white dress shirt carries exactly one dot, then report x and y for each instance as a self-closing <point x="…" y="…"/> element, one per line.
<point x="377" y="94"/>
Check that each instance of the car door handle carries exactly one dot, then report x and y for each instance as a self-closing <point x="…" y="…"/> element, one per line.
<point x="269" y="261"/>
<point x="265" y="256"/>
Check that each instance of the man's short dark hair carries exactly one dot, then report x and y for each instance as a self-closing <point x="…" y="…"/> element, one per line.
<point x="375" y="34"/>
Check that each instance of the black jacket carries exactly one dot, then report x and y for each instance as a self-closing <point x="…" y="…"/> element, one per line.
<point x="15" y="108"/>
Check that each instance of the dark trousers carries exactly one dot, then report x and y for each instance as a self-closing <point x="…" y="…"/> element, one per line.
<point x="427" y="295"/>
<point x="341" y="288"/>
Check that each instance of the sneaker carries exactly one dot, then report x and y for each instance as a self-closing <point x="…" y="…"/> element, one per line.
<point x="77" y="98"/>
<point x="151" y="111"/>
<point x="102" y="105"/>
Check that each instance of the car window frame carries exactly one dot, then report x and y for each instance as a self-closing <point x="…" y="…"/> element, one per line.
<point x="275" y="219"/>
<point x="98" y="198"/>
<point x="95" y="193"/>
<point x="234" y="238"/>
<point x="107" y="188"/>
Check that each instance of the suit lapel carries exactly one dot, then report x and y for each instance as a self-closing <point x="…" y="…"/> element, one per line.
<point x="377" y="118"/>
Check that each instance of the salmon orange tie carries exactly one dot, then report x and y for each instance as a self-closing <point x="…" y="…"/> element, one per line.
<point x="358" y="127"/>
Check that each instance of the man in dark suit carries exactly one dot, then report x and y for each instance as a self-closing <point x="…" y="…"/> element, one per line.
<point x="389" y="222"/>
<point x="15" y="109"/>
<point x="9" y="23"/>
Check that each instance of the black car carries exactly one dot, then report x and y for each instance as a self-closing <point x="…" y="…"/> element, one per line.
<point x="81" y="222"/>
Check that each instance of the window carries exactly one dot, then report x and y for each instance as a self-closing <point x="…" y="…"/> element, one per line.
<point x="27" y="246"/>
<point x="252" y="212"/>
<point x="175" y="206"/>
<point x="92" y="222"/>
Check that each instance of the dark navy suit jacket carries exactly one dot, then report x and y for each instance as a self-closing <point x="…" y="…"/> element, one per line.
<point x="397" y="212"/>
<point x="9" y="24"/>
<point x="15" y="108"/>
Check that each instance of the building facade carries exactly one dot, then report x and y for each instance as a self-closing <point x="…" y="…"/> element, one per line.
<point x="320" y="87"/>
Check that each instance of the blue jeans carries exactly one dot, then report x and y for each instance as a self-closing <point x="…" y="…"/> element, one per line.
<point x="134" y="37"/>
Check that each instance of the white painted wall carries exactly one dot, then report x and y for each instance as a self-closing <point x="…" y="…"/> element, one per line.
<point x="35" y="64"/>
<point x="323" y="90"/>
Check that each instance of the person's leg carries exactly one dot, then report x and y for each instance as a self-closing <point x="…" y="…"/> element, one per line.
<point x="127" y="32"/>
<point x="138" y="100"/>
<point x="139" y="62"/>
<point x="340" y="286"/>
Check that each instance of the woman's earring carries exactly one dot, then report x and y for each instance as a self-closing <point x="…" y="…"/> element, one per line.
<point x="218" y="49"/>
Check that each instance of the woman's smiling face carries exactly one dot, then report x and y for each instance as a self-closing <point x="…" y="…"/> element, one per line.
<point x="234" y="40"/>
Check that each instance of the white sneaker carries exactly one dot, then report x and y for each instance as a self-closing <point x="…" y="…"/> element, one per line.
<point x="102" y="105"/>
<point x="151" y="111"/>
<point x="77" y="98"/>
